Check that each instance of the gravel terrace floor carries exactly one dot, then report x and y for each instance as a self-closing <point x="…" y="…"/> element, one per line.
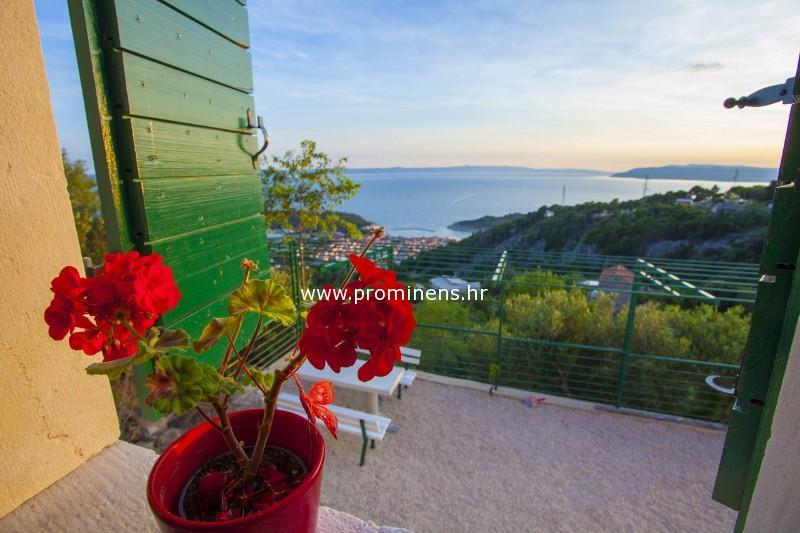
<point x="466" y="461"/>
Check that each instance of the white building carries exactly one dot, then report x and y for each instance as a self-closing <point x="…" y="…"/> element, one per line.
<point x="456" y="284"/>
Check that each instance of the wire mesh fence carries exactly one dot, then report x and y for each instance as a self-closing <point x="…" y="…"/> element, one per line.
<point x="522" y="333"/>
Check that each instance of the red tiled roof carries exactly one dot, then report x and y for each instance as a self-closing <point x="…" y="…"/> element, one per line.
<point x="616" y="271"/>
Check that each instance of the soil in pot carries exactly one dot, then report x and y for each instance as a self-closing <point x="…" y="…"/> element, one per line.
<point x="216" y="491"/>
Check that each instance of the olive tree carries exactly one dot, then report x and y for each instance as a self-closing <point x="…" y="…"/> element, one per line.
<point x="302" y="190"/>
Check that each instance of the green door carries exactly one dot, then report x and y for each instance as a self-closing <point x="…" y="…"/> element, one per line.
<point x="168" y="87"/>
<point x="775" y="315"/>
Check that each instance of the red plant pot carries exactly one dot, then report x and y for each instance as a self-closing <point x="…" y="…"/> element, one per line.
<point x="294" y="514"/>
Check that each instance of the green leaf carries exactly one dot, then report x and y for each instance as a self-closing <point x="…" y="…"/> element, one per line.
<point x="260" y="379"/>
<point x="264" y="297"/>
<point x="112" y="369"/>
<point x="213" y="332"/>
<point x="176" y="386"/>
<point x="172" y="339"/>
<point x="215" y="384"/>
<point x="160" y="342"/>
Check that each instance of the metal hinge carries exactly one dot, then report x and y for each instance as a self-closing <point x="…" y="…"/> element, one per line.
<point x="784" y="92"/>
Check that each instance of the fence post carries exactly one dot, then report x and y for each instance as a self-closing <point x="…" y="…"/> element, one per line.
<point x="439" y="359"/>
<point x="294" y="269"/>
<point x="501" y="318"/>
<point x="626" y="342"/>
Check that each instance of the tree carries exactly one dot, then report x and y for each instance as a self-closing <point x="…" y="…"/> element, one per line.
<point x="301" y="191"/>
<point x="85" y="208"/>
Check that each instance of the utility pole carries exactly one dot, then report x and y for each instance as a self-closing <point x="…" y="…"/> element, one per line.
<point x="564" y="195"/>
<point x="644" y="189"/>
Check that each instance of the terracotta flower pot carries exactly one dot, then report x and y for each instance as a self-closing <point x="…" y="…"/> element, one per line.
<point x="294" y="514"/>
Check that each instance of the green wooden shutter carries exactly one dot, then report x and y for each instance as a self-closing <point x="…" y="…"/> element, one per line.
<point x="167" y="86"/>
<point x="775" y="315"/>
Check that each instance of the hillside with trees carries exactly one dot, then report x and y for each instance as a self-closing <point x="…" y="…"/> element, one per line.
<point x="699" y="223"/>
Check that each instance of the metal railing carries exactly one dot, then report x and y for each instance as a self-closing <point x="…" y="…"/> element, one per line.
<point x="649" y="382"/>
<point x="614" y="375"/>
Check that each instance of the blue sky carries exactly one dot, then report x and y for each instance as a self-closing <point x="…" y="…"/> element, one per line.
<point x="604" y="85"/>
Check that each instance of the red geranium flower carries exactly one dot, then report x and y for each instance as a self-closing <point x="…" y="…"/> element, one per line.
<point x="66" y="308"/>
<point x="336" y="327"/>
<point x="383" y="337"/>
<point x="320" y="395"/>
<point x="69" y="284"/>
<point x="61" y="317"/>
<point x="369" y="273"/>
<point x="130" y="292"/>
<point x="90" y="340"/>
<point x="154" y="286"/>
<point x="330" y="332"/>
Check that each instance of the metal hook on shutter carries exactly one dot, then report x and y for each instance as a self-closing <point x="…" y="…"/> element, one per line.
<point x="711" y="381"/>
<point x="260" y="126"/>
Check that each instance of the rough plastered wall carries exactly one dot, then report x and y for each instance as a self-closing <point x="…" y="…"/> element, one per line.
<point x="775" y="505"/>
<point x="53" y="416"/>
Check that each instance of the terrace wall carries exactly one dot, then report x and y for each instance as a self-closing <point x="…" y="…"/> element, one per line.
<point x="54" y="417"/>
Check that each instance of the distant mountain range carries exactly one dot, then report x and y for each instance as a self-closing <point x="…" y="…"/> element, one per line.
<point x="702" y="172"/>
<point x="465" y="169"/>
<point x="674" y="172"/>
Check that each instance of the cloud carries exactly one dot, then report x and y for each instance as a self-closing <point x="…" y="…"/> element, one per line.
<point x="710" y="65"/>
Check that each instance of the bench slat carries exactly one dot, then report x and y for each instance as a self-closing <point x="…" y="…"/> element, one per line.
<point x="408" y="378"/>
<point x="410" y="352"/>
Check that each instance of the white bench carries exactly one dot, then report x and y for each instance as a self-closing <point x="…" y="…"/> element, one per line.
<point x="408" y="356"/>
<point x="370" y="427"/>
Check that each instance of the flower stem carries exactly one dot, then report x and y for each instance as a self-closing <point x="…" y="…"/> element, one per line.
<point x="377" y="234"/>
<point x="230" y="437"/>
<point x="296" y="359"/>
<point x="125" y="322"/>
<point x="254" y="380"/>
<point x="208" y="418"/>
<point x="270" y="402"/>
<point x="243" y="358"/>
<point x="232" y="339"/>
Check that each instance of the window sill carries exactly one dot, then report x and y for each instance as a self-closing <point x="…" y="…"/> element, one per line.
<point x="107" y="493"/>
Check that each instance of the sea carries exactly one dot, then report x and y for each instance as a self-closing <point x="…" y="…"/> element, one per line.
<point x="424" y="202"/>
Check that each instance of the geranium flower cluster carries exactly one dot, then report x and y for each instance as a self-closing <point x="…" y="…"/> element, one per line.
<point x="111" y="311"/>
<point x="337" y="326"/>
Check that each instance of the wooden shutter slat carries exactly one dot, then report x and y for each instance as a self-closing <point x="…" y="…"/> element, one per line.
<point x="161" y="92"/>
<point x="155" y="30"/>
<point x="176" y="206"/>
<point x="226" y="17"/>
<point x="207" y="263"/>
<point x="164" y="150"/>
